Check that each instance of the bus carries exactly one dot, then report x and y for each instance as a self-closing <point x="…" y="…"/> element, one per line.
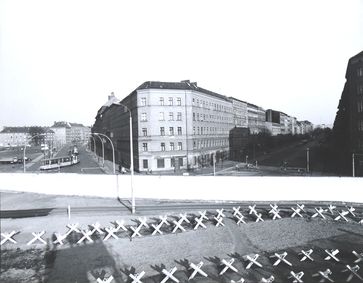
<point x="59" y="162"/>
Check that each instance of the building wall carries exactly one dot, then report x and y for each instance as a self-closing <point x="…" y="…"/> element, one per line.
<point x="256" y="119"/>
<point x="13" y="139"/>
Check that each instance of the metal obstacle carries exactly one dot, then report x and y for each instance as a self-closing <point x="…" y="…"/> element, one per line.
<point x="252" y="258"/>
<point x="59" y="238"/>
<point x="219" y="221"/>
<point x="351" y="211"/>
<point x="97" y="228"/>
<point x="353" y="272"/>
<point x="324" y="275"/>
<point x="268" y="280"/>
<point x="236" y="211"/>
<point x="280" y="258"/>
<point x="120" y="225"/>
<point x="203" y="214"/>
<point x="319" y="212"/>
<point x="307" y="255"/>
<point x="72" y="228"/>
<point x="157" y="229"/>
<point x="8" y="237"/>
<point x="359" y="256"/>
<point x="220" y="213"/>
<point x="105" y="280"/>
<point x="111" y="233"/>
<point x="136" y="278"/>
<point x="242" y="280"/>
<point x="342" y="215"/>
<point x="86" y="236"/>
<point x="332" y="255"/>
<point x="297" y="211"/>
<point x="37" y="237"/>
<point x="197" y="268"/>
<point x="136" y="231"/>
<point x="296" y="276"/>
<point x="178" y="225"/>
<point x="227" y="265"/>
<point x="199" y="222"/>
<point x="240" y="218"/>
<point x="169" y="275"/>
<point x="164" y="220"/>
<point x="183" y="217"/>
<point x="331" y="208"/>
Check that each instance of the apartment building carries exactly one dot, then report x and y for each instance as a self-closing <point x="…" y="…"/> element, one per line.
<point x="256" y="117"/>
<point x="175" y="126"/>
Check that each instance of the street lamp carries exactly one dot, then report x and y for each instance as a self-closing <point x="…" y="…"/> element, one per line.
<point x="38" y="135"/>
<point x="131" y="161"/>
<point x="307" y="160"/>
<point x="113" y="150"/>
<point x="103" y="149"/>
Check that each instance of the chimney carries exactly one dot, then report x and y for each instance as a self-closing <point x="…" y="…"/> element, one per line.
<point x="111" y="96"/>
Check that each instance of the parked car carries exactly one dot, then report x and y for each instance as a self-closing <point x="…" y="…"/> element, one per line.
<point x="20" y="160"/>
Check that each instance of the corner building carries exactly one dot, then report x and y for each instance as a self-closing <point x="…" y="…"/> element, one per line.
<point x="175" y="126"/>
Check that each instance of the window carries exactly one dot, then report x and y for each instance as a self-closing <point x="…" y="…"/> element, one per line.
<point x="161" y="116"/>
<point x="144" y="146"/>
<point x="171" y="116"/>
<point x="160" y="162"/>
<point x="201" y="130"/>
<point x="193" y="130"/>
<point x="171" y="131"/>
<point x="143" y="101"/>
<point x="143" y="117"/>
<point x="360" y="106"/>
<point x="194" y="145"/>
<point x="172" y="162"/>
<point x="162" y="131"/>
<point x="193" y="101"/>
<point x="144" y="132"/>
<point x="172" y="146"/>
<point x="179" y="131"/>
<point x="180" y="161"/>
<point x="178" y="101"/>
<point x="197" y="116"/>
<point x="180" y="146"/>
<point x="162" y="146"/>
<point x="360" y="72"/>
<point x="360" y="125"/>
<point x="161" y="99"/>
<point x="193" y="116"/>
<point x="170" y="101"/>
<point x="360" y="89"/>
<point x="179" y="116"/>
<point x="198" y="130"/>
<point x="145" y="163"/>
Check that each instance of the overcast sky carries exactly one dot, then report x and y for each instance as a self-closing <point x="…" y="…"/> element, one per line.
<point x="59" y="60"/>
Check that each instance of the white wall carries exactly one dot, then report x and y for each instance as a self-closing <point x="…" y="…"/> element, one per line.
<point x="183" y="187"/>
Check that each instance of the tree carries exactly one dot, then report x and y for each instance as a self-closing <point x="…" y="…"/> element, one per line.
<point x="35" y="133"/>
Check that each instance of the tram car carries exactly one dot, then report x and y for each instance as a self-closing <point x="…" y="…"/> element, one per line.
<point x="59" y="162"/>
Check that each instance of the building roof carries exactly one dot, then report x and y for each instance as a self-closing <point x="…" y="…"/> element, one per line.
<point x="233" y="98"/>
<point x="76" y="125"/>
<point x="61" y="124"/>
<point x="15" y="130"/>
<point x="183" y="85"/>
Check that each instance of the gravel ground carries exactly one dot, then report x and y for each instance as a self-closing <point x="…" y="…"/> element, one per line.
<point x="86" y="262"/>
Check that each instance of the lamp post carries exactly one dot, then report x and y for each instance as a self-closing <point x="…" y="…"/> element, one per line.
<point x="131" y="161"/>
<point x="38" y="135"/>
<point x="307" y="160"/>
<point x="103" y="149"/>
<point x="113" y="150"/>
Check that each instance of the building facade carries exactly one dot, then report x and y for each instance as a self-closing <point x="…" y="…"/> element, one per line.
<point x="240" y="112"/>
<point x="256" y="119"/>
<point x="14" y="136"/>
<point x="66" y="133"/>
<point x="175" y="126"/>
<point x="348" y="124"/>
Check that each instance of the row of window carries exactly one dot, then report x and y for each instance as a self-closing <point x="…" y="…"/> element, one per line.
<point x="209" y="131"/>
<point x="360" y="106"/>
<point x="162" y="146"/>
<point x="204" y="117"/>
<point x="161" y="101"/>
<point x="162" y="116"/>
<point x="209" y="143"/>
<point x="161" y="162"/>
<point x="210" y="105"/>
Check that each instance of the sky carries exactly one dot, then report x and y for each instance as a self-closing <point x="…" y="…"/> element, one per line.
<point x="59" y="60"/>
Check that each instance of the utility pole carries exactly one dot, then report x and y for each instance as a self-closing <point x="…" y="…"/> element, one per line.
<point x="307" y="160"/>
<point x="353" y="165"/>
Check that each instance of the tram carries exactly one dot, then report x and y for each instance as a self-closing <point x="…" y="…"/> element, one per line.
<point x="59" y="162"/>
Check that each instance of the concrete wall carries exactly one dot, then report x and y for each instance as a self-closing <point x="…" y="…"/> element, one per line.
<point x="189" y="187"/>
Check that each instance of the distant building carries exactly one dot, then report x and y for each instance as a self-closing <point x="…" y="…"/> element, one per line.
<point x="238" y="140"/>
<point x="256" y="119"/>
<point x="14" y="136"/>
<point x="348" y="124"/>
<point x="65" y="132"/>
<point x="240" y="113"/>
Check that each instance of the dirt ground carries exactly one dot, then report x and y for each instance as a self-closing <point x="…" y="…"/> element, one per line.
<point x="86" y="262"/>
